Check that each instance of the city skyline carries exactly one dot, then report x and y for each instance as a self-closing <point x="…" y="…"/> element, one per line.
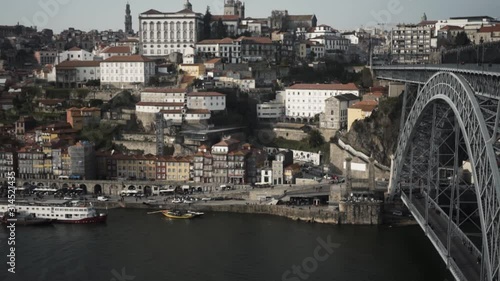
<point x="61" y="14"/>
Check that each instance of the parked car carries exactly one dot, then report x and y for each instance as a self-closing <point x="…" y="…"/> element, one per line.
<point x="397" y="213"/>
<point x="102" y="198"/>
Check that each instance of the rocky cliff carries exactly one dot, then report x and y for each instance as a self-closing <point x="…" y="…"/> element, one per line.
<point x="378" y="134"/>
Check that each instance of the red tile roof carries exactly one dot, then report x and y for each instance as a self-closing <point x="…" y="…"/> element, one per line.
<point x="227" y="142"/>
<point x="164" y="90"/>
<point x="488" y="29"/>
<point x="187" y="79"/>
<point x="366" y="106"/>
<point x="69" y="64"/>
<point x="325" y="87"/>
<point x="133" y="58"/>
<point x="216" y="60"/>
<point x="198" y="111"/>
<point x="451" y="27"/>
<point x="205" y="94"/>
<point x="225" y="17"/>
<point x="175" y="111"/>
<point x="256" y="40"/>
<point x="160" y="104"/>
<point x="209" y="42"/>
<point x="117" y="50"/>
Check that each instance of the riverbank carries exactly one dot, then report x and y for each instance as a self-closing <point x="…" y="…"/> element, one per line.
<point x="323" y="215"/>
<point x="326" y="215"/>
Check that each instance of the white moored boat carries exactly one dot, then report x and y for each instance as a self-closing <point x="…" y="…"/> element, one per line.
<point x="60" y="211"/>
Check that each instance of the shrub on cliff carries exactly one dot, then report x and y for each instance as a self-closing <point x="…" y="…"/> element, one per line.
<point x="378" y="134"/>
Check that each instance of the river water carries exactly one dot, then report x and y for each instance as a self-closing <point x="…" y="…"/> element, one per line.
<point x="133" y="246"/>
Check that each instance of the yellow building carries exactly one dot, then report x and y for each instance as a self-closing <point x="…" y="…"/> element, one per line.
<point x="141" y="167"/>
<point x="360" y="111"/>
<point x="177" y="168"/>
<point x="195" y="70"/>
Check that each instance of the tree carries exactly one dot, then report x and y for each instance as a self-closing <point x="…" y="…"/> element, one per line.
<point x="154" y="81"/>
<point x="366" y="78"/>
<point x="315" y="138"/>
<point x="311" y="56"/>
<point x="462" y="39"/>
<point x="207" y="28"/>
<point x="220" y="30"/>
<point x="93" y="83"/>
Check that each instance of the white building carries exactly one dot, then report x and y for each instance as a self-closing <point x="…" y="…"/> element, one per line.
<point x="212" y="101"/>
<point x="472" y="22"/>
<point x="164" y="33"/>
<point x="237" y="50"/>
<point x="318" y="49"/>
<point x="164" y="95"/>
<point x="227" y="49"/>
<point x="351" y="36"/>
<point x="270" y="110"/>
<point x="314" y="32"/>
<point x="332" y="43"/>
<point x="127" y="70"/>
<point x="74" y="53"/>
<point x="155" y="107"/>
<point x="115" y="51"/>
<point x="74" y="73"/>
<point x="190" y="115"/>
<point x="243" y="84"/>
<point x="411" y="44"/>
<point x="305" y="101"/>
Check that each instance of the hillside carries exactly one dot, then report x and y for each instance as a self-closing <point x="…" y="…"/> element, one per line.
<point x="378" y="134"/>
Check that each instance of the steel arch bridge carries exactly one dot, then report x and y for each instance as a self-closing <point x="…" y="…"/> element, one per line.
<point x="451" y="127"/>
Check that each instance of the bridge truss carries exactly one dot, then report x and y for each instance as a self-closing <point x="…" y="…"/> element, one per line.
<point x="451" y="118"/>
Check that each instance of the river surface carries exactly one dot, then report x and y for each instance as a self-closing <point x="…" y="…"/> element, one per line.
<point x="133" y="246"/>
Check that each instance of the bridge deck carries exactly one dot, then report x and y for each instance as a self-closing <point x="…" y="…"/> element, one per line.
<point x="491" y="70"/>
<point x="461" y="255"/>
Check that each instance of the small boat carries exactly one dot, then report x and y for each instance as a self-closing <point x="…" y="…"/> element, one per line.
<point x="177" y="215"/>
<point x="196" y="214"/>
<point x="24" y="219"/>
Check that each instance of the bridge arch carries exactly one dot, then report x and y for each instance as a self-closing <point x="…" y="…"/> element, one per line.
<point x="452" y="91"/>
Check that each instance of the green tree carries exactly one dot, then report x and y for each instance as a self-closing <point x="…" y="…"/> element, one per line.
<point x="220" y="30"/>
<point x="315" y="138"/>
<point x="311" y="56"/>
<point x="154" y="81"/>
<point x="207" y="28"/>
<point x="366" y="78"/>
<point x="462" y="39"/>
<point x="93" y="83"/>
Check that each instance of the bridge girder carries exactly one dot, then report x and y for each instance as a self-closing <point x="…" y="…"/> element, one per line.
<point x="477" y="116"/>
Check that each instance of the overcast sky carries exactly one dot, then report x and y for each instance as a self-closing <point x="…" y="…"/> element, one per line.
<point x="350" y="14"/>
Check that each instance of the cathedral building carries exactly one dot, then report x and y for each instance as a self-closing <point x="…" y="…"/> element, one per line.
<point x="234" y="8"/>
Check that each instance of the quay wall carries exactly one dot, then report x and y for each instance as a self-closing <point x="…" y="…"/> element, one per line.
<point x="364" y="214"/>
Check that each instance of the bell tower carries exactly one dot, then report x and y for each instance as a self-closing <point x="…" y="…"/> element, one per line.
<point x="188" y="5"/>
